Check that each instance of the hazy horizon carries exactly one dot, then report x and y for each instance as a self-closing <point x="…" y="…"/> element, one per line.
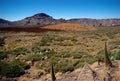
<point x="14" y="10"/>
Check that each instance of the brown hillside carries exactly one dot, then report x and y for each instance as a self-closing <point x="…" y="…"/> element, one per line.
<point x="69" y="26"/>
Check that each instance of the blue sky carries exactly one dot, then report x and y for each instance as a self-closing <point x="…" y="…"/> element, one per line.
<point x="19" y="9"/>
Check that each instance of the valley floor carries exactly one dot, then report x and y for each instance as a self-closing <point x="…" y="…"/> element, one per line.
<point x="67" y="50"/>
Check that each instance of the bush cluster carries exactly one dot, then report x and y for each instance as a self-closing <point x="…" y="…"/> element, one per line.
<point x="22" y="64"/>
<point x="116" y="56"/>
<point x="35" y="57"/>
<point x="10" y="70"/>
<point x="3" y="55"/>
<point x="21" y="50"/>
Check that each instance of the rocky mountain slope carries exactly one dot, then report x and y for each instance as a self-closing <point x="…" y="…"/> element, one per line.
<point x="4" y="23"/>
<point x="42" y="19"/>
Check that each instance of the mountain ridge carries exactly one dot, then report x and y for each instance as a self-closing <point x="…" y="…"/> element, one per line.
<point x="42" y="19"/>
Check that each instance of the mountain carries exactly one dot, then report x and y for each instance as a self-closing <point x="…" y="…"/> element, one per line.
<point x="42" y="19"/>
<point x="4" y="23"/>
<point x="96" y="22"/>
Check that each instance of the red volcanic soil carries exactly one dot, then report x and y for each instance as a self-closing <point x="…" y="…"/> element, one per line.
<point x="30" y="29"/>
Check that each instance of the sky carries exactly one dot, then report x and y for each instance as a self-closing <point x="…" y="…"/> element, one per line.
<point x="14" y="10"/>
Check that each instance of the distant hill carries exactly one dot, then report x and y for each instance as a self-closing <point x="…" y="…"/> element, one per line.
<point x="42" y="19"/>
<point x="96" y="22"/>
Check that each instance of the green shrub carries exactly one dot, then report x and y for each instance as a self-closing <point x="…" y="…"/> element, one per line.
<point x="65" y="55"/>
<point x="73" y="40"/>
<point x="111" y="35"/>
<point x="37" y="49"/>
<point x="44" y="65"/>
<point x="100" y="54"/>
<point x="3" y="55"/>
<point x="22" y="64"/>
<point x="54" y="59"/>
<point x="10" y="70"/>
<point x="79" y="64"/>
<point x="116" y="56"/>
<point x="20" y="50"/>
<point x="64" y="66"/>
<point x="60" y="39"/>
<point x="35" y="57"/>
<point x="78" y="55"/>
<point x="91" y="59"/>
<point x="45" y="41"/>
<point x="75" y="55"/>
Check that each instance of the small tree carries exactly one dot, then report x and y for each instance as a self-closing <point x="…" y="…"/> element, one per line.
<point x="108" y="62"/>
<point x="52" y="73"/>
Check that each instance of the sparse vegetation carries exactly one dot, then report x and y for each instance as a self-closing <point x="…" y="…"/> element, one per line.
<point x="35" y="57"/>
<point x="71" y="50"/>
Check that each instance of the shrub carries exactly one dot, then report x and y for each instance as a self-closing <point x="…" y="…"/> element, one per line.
<point x="3" y="55"/>
<point x="73" y="40"/>
<point x="44" y="65"/>
<point x="35" y="57"/>
<point x="37" y="49"/>
<point x="116" y="56"/>
<point x="91" y="59"/>
<point x="78" y="55"/>
<point x="20" y="50"/>
<point x="45" y="41"/>
<point x="65" y="55"/>
<point x="79" y="64"/>
<point x="10" y="70"/>
<point x="100" y="54"/>
<point x="60" y="39"/>
<point x="22" y="64"/>
<point x="54" y="59"/>
<point x="64" y="66"/>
